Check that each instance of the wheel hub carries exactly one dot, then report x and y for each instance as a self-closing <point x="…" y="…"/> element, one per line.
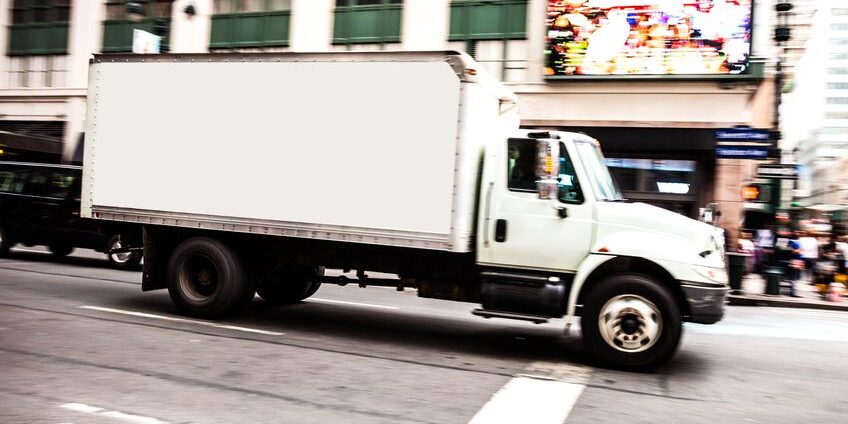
<point x="630" y="323"/>
<point x="199" y="278"/>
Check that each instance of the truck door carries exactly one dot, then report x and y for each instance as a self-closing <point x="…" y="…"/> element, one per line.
<point x="525" y="231"/>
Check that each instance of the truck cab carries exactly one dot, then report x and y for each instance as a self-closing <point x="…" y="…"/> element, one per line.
<point x="632" y="272"/>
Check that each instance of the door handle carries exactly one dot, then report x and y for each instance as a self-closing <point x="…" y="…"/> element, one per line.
<point x="500" y="230"/>
<point x="562" y="211"/>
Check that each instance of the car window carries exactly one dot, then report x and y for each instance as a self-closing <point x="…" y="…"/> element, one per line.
<point x="59" y="184"/>
<point x="12" y="180"/>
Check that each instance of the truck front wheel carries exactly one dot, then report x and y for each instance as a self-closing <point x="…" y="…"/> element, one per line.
<point x="290" y="285"/>
<point x="631" y="321"/>
<point x="206" y="278"/>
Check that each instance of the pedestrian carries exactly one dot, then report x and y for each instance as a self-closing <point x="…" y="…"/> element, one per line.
<point x="809" y="247"/>
<point x="788" y="255"/>
<point x="745" y="245"/>
<point x="842" y="245"/>
<point x="830" y="264"/>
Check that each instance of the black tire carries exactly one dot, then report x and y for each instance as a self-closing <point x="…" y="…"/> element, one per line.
<point x="623" y="297"/>
<point x="290" y="285"/>
<point x="61" y="250"/>
<point x="206" y="279"/>
<point x="129" y="260"/>
<point x="5" y="242"/>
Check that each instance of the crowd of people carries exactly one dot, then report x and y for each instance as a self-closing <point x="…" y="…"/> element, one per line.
<point x="801" y="257"/>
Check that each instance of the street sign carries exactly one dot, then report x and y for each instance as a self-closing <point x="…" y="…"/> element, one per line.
<point x="742" y="134"/>
<point x="741" y="152"/>
<point x="782" y="172"/>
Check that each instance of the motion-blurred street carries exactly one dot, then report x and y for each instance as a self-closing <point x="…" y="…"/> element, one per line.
<point x="80" y="343"/>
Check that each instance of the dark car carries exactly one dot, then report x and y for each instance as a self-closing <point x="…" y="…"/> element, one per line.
<point x="40" y="205"/>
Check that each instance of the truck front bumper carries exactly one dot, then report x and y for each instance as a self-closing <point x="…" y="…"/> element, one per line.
<point x="706" y="303"/>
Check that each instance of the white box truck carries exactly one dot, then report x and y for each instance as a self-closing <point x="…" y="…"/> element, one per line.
<point x="252" y="173"/>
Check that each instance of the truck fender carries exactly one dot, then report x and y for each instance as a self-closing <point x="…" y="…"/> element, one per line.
<point x="589" y="265"/>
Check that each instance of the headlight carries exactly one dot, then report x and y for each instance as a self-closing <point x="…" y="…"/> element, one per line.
<point x="716" y="275"/>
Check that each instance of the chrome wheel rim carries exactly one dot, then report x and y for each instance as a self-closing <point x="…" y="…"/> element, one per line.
<point x="630" y="323"/>
<point x="119" y="258"/>
<point x="198" y="278"/>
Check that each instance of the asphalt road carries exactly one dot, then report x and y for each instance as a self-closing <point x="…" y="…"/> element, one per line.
<point x="80" y="343"/>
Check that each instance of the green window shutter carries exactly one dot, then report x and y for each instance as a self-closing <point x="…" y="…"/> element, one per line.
<point x="276" y="29"/>
<point x="488" y="20"/>
<point x="371" y="23"/>
<point x="516" y="26"/>
<point x="256" y="29"/>
<point x="118" y="34"/>
<point x="38" y="28"/>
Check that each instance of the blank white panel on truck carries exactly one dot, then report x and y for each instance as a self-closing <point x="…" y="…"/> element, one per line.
<point x="318" y="146"/>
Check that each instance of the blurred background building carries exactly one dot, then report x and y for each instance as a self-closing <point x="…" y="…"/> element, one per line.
<point x="657" y="130"/>
<point x="816" y="109"/>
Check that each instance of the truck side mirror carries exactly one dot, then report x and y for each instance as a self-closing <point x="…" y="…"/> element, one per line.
<point x="547" y="168"/>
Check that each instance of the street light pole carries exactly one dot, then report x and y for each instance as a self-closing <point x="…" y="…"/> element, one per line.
<point x="782" y="34"/>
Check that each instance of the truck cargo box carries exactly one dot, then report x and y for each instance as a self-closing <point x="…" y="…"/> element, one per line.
<point x="379" y="148"/>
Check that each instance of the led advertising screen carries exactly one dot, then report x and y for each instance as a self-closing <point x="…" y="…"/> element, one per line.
<point x="647" y="37"/>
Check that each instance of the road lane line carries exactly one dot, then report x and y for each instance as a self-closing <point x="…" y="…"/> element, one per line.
<point x="21" y="249"/>
<point x="369" y="305"/>
<point x="188" y="321"/>
<point x="544" y="393"/>
<point x="88" y="409"/>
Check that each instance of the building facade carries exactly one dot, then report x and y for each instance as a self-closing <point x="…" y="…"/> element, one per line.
<point x="656" y="130"/>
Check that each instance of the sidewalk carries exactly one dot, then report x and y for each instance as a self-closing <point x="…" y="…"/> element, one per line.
<point x="754" y="287"/>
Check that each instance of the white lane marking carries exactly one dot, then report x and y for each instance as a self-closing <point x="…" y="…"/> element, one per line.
<point x="827" y="333"/>
<point x="189" y="321"/>
<point x="21" y="249"/>
<point x="81" y="407"/>
<point x="88" y="409"/>
<point x="369" y="305"/>
<point x="545" y="393"/>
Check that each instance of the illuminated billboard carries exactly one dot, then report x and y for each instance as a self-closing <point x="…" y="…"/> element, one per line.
<point x="647" y="37"/>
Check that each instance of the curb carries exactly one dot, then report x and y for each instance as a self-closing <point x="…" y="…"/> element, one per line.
<point x="743" y="300"/>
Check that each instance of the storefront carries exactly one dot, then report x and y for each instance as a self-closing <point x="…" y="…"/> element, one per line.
<point x="668" y="167"/>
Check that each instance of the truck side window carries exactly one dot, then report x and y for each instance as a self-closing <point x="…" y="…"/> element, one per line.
<point x="521" y="165"/>
<point x="59" y="184"/>
<point x="12" y="181"/>
<point x="569" y="186"/>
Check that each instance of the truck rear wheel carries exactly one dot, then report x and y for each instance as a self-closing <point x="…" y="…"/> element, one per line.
<point x="61" y="250"/>
<point x="631" y="321"/>
<point x="206" y="278"/>
<point x="290" y="285"/>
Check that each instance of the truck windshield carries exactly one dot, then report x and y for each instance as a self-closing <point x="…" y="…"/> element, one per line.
<point x="601" y="180"/>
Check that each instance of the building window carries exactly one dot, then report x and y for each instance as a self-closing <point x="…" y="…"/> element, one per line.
<point x="653" y="175"/>
<point x="837" y="100"/>
<point x="487" y="20"/>
<point x="838" y="41"/>
<point x="836" y="115"/>
<point x="250" y="23"/>
<point x="839" y="56"/>
<point x="118" y="27"/>
<point x="367" y="21"/>
<point x="839" y="27"/>
<point x="39" y="27"/>
<point x="837" y="86"/>
<point x="837" y="71"/>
